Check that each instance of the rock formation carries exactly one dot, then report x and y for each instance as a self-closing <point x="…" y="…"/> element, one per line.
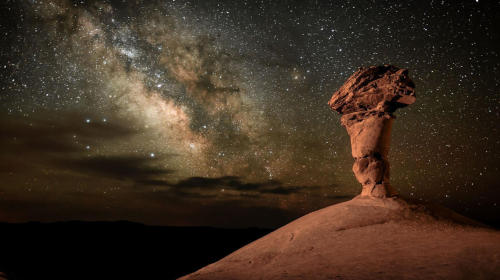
<point x="367" y="101"/>
<point x="366" y="238"/>
<point x="374" y="235"/>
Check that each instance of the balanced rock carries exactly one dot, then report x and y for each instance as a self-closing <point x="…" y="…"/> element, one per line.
<point x="367" y="101"/>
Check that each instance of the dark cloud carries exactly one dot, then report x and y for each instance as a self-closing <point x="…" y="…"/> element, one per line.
<point x="43" y="139"/>
<point x="226" y="188"/>
<point x="134" y="168"/>
<point x="203" y="184"/>
<point x="283" y="190"/>
<point x="29" y="136"/>
<point x="66" y="143"/>
<point x="225" y="181"/>
<point x="153" y="182"/>
<point x="45" y="133"/>
<point x="60" y="143"/>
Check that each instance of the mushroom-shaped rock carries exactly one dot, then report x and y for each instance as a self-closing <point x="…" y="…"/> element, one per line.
<point x="366" y="101"/>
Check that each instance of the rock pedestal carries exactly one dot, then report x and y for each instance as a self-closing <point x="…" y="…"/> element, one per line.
<point x="366" y="101"/>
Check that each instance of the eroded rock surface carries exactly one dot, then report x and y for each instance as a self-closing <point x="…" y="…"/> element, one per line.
<point x="366" y="238"/>
<point x="366" y="101"/>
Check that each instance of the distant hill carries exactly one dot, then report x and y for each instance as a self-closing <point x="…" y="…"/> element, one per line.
<point x="113" y="250"/>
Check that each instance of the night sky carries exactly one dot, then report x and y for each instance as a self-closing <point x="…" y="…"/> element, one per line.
<point x="215" y="112"/>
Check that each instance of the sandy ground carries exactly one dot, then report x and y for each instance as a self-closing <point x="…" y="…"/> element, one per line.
<point x="367" y="238"/>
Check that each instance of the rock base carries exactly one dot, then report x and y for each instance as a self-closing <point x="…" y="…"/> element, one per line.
<point x="367" y="238"/>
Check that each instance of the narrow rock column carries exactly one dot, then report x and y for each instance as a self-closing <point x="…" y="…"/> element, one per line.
<point x="366" y="101"/>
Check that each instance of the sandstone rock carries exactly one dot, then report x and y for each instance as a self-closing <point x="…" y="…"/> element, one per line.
<point x="384" y="88"/>
<point x="366" y="101"/>
<point x="367" y="238"/>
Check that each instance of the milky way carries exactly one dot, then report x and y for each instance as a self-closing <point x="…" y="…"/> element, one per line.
<point x="214" y="112"/>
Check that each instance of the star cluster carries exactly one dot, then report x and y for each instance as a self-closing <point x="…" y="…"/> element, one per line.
<point x="214" y="112"/>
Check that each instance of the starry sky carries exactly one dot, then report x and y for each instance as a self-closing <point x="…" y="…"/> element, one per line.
<point x="215" y="113"/>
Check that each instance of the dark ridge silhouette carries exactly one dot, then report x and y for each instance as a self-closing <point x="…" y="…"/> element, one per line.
<point x="113" y="250"/>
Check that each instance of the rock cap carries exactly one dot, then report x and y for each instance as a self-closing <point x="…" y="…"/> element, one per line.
<point x="382" y="88"/>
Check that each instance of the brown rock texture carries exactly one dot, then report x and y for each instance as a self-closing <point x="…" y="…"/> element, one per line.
<point x="367" y="238"/>
<point x="366" y="101"/>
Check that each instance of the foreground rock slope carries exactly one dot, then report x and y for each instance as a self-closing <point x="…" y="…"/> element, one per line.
<point x="367" y="238"/>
